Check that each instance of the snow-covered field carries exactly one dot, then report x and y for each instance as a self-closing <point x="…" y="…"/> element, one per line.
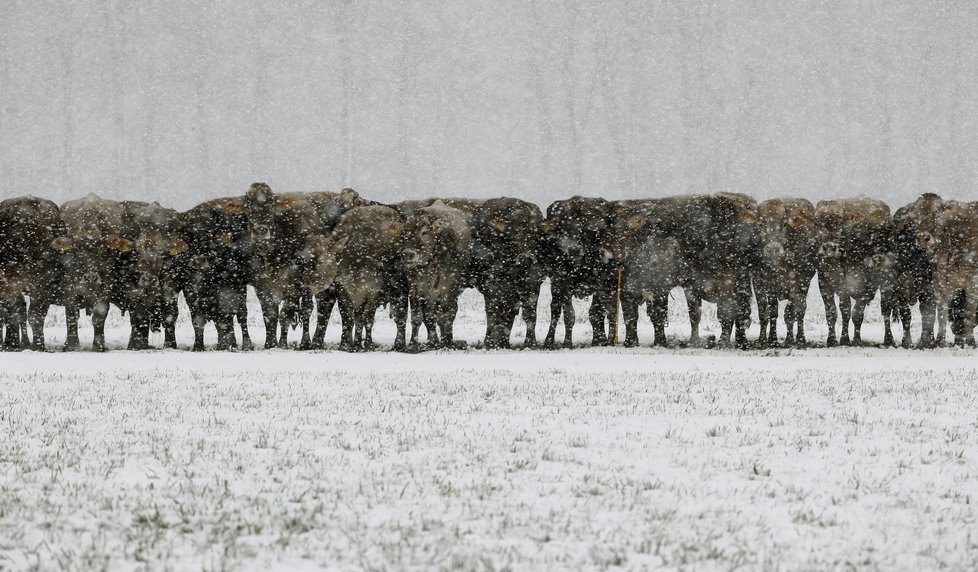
<point x="860" y="458"/>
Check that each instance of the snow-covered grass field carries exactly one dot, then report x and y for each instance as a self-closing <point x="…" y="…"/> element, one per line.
<point x="861" y="458"/>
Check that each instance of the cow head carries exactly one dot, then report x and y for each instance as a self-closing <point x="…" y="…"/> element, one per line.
<point x="260" y="204"/>
<point x="577" y="228"/>
<point x="318" y="263"/>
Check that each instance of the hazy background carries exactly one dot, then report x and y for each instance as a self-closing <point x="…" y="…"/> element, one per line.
<point x="181" y="101"/>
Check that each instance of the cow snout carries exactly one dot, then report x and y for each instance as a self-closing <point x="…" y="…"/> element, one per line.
<point x="410" y="257"/>
<point x="829" y="250"/>
<point x="774" y="250"/>
<point x="148" y="281"/>
<point x="925" y="240"/>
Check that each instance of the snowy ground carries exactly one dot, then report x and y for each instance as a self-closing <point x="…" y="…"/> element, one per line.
<point x="775" y="459"/>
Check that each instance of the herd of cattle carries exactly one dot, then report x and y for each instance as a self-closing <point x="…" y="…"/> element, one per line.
<point x="417" y="256"/>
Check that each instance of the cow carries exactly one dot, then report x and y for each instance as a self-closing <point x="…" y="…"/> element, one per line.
<point x="914" y="237"/>
<point x="956" y="270"/>
<point x="719" y="246"/>
<point x="509" y="271"/>
<point x="789" y="260"/>
<point x="94" y="251"/>
<point x="360" y="257"/>
<point x="279" y="224"/>
<point x="571" y="239"/>
<point x="855" y="259"/>
<point x="643" y="247"/>
<point x="29" y="263"/>
<point x="436" y="250"/>
<point x="149" y="286"/>
<point x="214" y="270"/>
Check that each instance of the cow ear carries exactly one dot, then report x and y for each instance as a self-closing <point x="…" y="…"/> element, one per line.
<point x="498" y="224"/>
<point x="116" y="242"/>
<point x="62" y="243"/>
<point x="177" y="246"/>
<point x="636" y="222"/>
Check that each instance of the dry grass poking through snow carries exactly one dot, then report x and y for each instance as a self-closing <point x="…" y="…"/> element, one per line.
<point x="537" y="464"/>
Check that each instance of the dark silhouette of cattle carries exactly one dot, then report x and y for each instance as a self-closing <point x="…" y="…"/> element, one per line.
<point x="855" y="259"/>
<point x="507" y="268"/>
<point x="956" y="270"/>
<point x="788" y="262"/>
<point x="915" y="241"/>
<point x="278" y="227"/>
<point x="214" y="271"/>
<point x="31" y="263"/>
<point x="149" y="287"/>
<point x="571" y="241"/>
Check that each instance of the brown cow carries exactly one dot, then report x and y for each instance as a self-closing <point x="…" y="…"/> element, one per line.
<point x="214" y="271"/>
<point x="436" y="248"/>
<point x="789" y="259"/>
<point x="149" y="287"/>
<point x="361" y="257"/>
<point x="956" y="268"/>
<point x="915" y="229"/>
<point x="855" y="259"/>
<point x="509" y="272"/>
<point x="28" y="263"/>
<point x="94" y="250"/>
<point x="279" y="225"/>
<point x="571" y="241"/>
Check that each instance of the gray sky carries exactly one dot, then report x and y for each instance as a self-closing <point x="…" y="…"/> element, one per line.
<point x="182" y="101"/>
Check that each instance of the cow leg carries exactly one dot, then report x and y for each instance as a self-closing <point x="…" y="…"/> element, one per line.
<point x="905" y="318"/>
<point x="528" y="304"/>
<point x="967" y="337"/>
<point x="270" y="314"/>
<point x="888" y="309"/>
<point x="789" y="323"/>
<point x="225" y="332"/>
<point x="99" y="312"/>
<point x="598" y="314"/>
<point x="845" y="313"/>
<point x="71" y="321"/>
<point x="399" y="311"/>
<point x="36" y="315"/>
<point x="727" y="314"/>
<point x="11" y="337"/>
<point x="928" y="313"/>
<point x="171" y="311"/>
<point x="658" y="311"/>
<point x="490" y="340"/>
<point x="241" y="313"/>
<point x="569" y="318"/>
<point x="417" y="317"/>
<point x="447" y="311"/>
<point x="347" y="315"/>
<point x="799" y="307"/>
<point x="287" y="321"/>
<point x="694" y="304"/>
<point x="629" y="310"/>
<point x="831" y="314"/>
<point x="771" y="317"/>
<point x="858" y="311"/>
<point x="198" y="320"/>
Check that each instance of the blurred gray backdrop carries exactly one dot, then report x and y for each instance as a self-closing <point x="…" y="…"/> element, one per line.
<point x="182" y="101"/>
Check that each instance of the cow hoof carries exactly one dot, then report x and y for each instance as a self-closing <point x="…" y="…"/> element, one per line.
<point x="630" y="343"/>
<point x="169" y="345"/>
<point x="567" y="345"/>
<point x="70" y="348"/>
<point x="831" y="343"/>
<point x="247" y="346"/>
<point x="316" y="345"/>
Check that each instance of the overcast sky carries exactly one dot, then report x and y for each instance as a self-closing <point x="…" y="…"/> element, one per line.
<point x="182" y="101"/>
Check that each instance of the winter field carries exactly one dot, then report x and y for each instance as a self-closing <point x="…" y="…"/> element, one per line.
<point x="862" y="458"/>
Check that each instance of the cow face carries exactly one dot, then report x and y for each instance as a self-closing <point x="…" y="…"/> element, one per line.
<point x="318" y="265"/>
<point x="577" y="228"/>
